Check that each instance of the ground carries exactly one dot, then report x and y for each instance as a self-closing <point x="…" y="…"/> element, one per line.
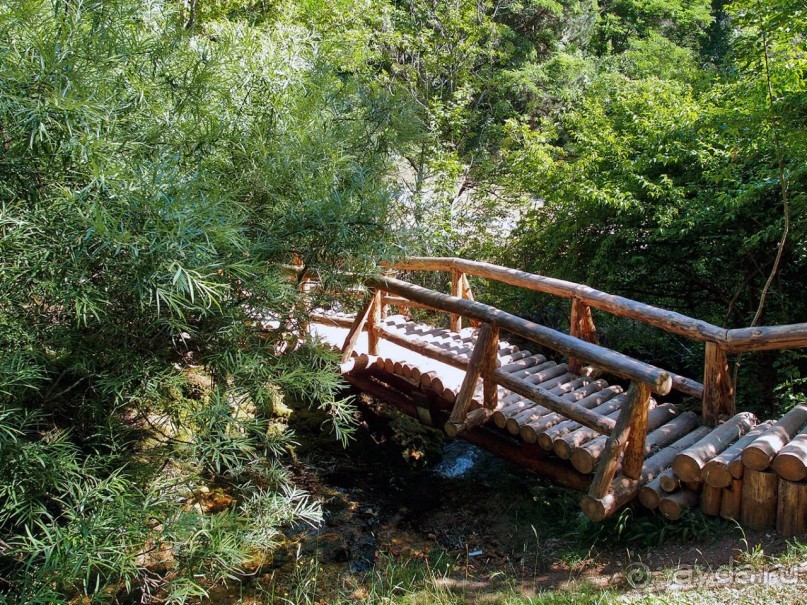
<point x="409" y="519"/>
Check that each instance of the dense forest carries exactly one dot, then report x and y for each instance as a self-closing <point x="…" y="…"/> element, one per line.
<point x="162" y="163"/>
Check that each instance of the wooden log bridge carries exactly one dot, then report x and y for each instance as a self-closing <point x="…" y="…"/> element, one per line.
<point x="562" y="405"/>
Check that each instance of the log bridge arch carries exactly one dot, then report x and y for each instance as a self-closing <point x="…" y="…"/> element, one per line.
<point x="561" y="420"/>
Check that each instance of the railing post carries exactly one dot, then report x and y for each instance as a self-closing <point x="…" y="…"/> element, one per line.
<point x="373" y="320"/>
<point x="458" y="291"/>
<point x="490" y="390"/>
<point x="718" y="390"/>
<point x="582" y="327"/>
<point x="468" y="294"/>
<point x="487" y="346"/>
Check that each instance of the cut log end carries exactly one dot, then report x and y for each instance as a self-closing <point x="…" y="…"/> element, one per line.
<point x="597" y="509"/>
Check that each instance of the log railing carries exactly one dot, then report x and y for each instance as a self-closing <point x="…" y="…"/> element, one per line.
<point x="716" y="392"/>
<point x="626" y="434"/>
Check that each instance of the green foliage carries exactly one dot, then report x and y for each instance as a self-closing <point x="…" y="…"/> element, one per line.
<point x="157" y="171"/>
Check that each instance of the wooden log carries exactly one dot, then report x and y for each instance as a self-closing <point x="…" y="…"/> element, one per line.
<point x="540" y="417"/>
<point x="532" y="430"/>
<point x="731" y="500"/>
<point x="427" y="349"/>
<point x="675" y="323"/>
<point x="586" y="456"/>
<point x="426" y="379"/>
<point x="582" y="327"/>
<point x="766" y="338"/>
<point x="687" y="386"/>
<point x="650" y="494"/>
<point x="456" y="290"/>
<point x="759" y="454"/>
<point x="791" y="461"/>
<point x="688" y="464"/>
<point x="356" y="363"/>
<point x="710" y="500"/>
<point x="554" y="403"/>
<point x="521" y="364"/>
<point x="486" y="346"/>
<point x="624" y="489"/>
<point x="614" y="362"/>
<point x="404" y="304"/>
<point x="508" y="358"/>
<point x="671" y="432"/>
<point x="718" y="391"/>
<point x="669" y="481"/>
<point x="331" y="320"/>
<point x="563" y="447"/>
<point x="759" y="499"/>
<point x="373" y="322"/>
<point x="672" y="506"/>
<point x="473" y="419"/>
<point x="490" y="390"/>
<point x="717" y="471"/>
<point x="356" y="329"/>
<point x="536" y="375"/>
<point x="539" y="375"/>
<point x="791" y="515"/>
<point x="638" y="396"/>
<point x="594" y="400"/>
<point x="694" y="486"/>
<point x="633" y="457"/>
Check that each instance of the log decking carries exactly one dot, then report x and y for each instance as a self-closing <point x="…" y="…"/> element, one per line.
<point x="589" y="417"/>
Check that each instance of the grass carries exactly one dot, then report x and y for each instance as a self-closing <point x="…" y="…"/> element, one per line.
<point x="439" y="579"/>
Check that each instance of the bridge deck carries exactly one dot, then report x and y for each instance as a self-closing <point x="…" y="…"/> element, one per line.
<point x="676" y="475"/>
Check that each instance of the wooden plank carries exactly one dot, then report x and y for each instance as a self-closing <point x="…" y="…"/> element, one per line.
<point x="614" y="362"/>
<point x="718" y="391"/>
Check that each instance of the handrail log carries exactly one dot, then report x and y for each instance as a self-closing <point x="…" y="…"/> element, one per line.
<point x="767" y="338"/>
<point x="670" y="321"/>
<point x="616" y="363"/>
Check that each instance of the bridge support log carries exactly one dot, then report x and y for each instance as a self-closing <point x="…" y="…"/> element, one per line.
<point x="482" y="362"/>
<point x="356" y="329"/>
<point x="628" y="435"/>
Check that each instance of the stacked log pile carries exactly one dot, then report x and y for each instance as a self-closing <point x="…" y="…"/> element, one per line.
<point x="753" y="473"/>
